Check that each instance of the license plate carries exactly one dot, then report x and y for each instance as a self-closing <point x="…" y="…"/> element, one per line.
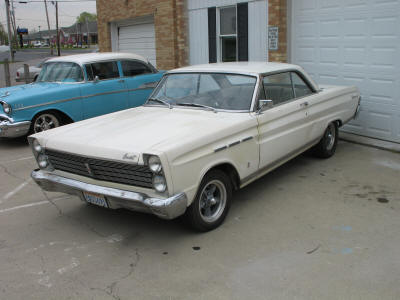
<point x="95" y="199"/>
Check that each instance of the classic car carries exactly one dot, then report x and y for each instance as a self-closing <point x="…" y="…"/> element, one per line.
<point x="204" y="132"/>
<point x="74" y="88"/>
<point x="33" y="72"/>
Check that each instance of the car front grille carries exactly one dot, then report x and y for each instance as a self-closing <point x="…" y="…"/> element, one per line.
<point x="99" y="169"/>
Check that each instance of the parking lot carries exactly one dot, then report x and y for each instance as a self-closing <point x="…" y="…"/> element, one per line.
<point x="312" y="229"/>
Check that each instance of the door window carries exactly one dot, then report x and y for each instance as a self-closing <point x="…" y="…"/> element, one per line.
<point x="133" y="68"/>
<point x="301" y="89"/>
<point x="278" y="87"/>
<point x="104" y="70"/>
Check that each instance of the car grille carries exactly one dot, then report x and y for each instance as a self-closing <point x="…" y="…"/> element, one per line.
<point x="101" y="169"/>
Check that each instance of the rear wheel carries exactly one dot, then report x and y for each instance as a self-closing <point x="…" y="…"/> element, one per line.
<point x="45" y="121"/>
<point x="327" y="145"/>
<point x="212" y="202"/>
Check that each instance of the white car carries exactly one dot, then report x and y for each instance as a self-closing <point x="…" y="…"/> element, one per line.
<point x="33" y="72"/>
<point x="205" y="131"/>
<point x="37" y="44"/>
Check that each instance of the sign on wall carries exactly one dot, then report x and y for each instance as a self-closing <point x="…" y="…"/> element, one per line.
<point x="273" y="37"/>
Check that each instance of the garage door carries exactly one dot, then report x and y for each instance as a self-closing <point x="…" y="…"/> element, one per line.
<point x="138" y="39"/>
<point x="354" y="42"/>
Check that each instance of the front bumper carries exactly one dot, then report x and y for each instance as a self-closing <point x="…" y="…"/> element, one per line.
<point x="9" y="128"/>
<point x="168" y="208"/>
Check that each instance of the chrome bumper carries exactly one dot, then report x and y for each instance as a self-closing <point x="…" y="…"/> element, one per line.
<point x="168" y="208"/>
<point x="10" y="129"/>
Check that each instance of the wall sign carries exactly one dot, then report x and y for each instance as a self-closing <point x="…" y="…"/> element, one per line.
<point x="273" y="37"/>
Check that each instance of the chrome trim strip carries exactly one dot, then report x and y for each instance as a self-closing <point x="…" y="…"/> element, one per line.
<point x="247" y="139"/>
<point x="277" y="163"/>
<point x="220" y="148"/>
<point x="233" y="144"/>
<point x="167" y="208"/>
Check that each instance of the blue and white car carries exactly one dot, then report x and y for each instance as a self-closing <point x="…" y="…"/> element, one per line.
<point x="74" y="88"/>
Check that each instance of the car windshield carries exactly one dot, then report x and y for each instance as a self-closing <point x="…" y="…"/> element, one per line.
<point x="207" y="90"/>
<point x="60" y="72"/>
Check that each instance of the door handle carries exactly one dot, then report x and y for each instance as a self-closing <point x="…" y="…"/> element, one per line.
<point x="304" y="104"/>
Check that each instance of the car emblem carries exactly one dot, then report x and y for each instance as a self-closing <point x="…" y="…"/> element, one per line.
<point x="88" y="169"/>
<point x="129" y="156"/>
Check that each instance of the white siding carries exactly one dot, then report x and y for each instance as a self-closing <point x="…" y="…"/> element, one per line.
<point x="198" y="36"/>
<point x="198" y="28"/>
<point x="354" y="42"/>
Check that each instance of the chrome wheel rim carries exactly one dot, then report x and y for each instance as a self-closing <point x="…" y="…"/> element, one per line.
<point x="330" y="136"/>
<point x="45" y="122"/>
<point x="212" y="201"/>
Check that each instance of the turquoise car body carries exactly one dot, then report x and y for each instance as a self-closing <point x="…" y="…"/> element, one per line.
<point x="75" y="101"/>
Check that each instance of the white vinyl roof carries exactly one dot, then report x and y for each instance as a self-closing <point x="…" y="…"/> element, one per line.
<point x="91" y="57"/>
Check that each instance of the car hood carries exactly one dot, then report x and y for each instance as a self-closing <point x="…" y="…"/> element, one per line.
<point x="145" y="129"/>
<point x="28" y="94"/>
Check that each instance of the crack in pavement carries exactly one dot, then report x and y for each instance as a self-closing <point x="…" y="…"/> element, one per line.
<point x="9" y="173"/>
<point x="110" y="289"/>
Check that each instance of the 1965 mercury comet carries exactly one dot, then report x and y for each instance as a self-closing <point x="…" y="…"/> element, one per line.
<point x="205" y="131"/>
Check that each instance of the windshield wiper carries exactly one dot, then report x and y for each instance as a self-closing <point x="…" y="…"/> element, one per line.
<point x="160" y="101"/>
<point x="198" y="105"/>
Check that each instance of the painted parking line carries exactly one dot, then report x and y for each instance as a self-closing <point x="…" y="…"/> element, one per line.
<point x="30" y="205"/>
<point x="15" y="160"/>
<point x="16" y="190"/>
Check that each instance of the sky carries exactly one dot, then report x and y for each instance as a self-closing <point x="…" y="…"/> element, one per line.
<point x="33" y="14"/>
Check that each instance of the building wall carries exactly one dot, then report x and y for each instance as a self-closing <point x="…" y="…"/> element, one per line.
<point x="170" y="22"/>
<point x="277" y="16"/>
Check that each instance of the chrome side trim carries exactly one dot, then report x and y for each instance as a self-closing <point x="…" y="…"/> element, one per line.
<point x="233" y="144"/>
<point x="167" y="208"/>
<point x="274" y="165"/>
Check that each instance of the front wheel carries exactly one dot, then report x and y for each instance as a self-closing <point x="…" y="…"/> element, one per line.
<point x="212" y="202"/>
<point x="328" y="143"/>
<point x="45" y="121"/>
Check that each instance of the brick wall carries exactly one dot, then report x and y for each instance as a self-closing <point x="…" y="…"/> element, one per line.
<point x="170" y="22"/>
<point x="277" y="16"/>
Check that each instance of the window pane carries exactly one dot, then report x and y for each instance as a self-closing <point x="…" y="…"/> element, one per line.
<point x="133" y="68"/>
<point x="278" y="87"/>
<point x="89" y="72"/>
<point x="105" y="70"/>
<point x="300" y="87"/>
<point x="228" y="48"/>
<point x="60" y="72"/>
<point x="228" y="20"/>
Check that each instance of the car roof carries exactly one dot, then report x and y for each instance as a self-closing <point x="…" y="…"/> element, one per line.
<point x="92" y="57"/>
<point x="251" y="68"/>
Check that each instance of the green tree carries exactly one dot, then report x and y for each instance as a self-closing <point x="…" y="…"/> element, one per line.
<point x="82" y="17"/>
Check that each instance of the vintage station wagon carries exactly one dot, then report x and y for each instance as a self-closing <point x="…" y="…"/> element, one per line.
<point x="74" y="88"/>
<point x="204" y="132"/>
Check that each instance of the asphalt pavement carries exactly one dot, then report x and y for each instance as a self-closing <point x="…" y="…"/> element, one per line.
<point x="312" y="229"/>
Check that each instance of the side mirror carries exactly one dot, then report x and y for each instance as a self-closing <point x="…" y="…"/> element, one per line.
<point x="96" y="79"/>
<point x="264" y="104"/>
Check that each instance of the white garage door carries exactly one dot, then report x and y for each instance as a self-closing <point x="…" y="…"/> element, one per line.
<point x="138" y="39"/>
<point x="354" y="42"/>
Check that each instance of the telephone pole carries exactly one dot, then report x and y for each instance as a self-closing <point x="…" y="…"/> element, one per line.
<point x="48" y="26"/>
<point x="13" y="24"/>
<point x="9" y="30"/>
<point x="87" y="33"/>
<point x="58" y="33"/>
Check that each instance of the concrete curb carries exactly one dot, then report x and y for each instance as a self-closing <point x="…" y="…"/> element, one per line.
<point x="369" y="142"/>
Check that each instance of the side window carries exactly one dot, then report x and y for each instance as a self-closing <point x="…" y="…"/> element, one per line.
<point x="301" y="89"/>
<point x="207" y="84"/>
<point x="89" y="72"/>
<point x="105" y="70"/>
<point x="278" y="87"/>
<point x="133" y="68"/>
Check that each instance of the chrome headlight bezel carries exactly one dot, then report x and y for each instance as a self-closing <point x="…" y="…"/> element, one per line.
<point x="159" y="183"/>
<point x="38" y="152"/>
<point x="6" y="108"/>
<point x="154" y="163"/>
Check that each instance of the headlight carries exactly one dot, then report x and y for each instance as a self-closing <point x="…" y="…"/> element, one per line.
<point x="7" y="108"/>
<point x="155" y="164"/>
<point x="159" y="183"/>
<point x="36" y="146"/>
<point x="42" y="161"/>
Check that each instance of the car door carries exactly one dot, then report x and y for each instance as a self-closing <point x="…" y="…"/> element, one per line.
<point x="283" y="128"/>
<point x="105" y="91"/>
<point x="140" y="80"/>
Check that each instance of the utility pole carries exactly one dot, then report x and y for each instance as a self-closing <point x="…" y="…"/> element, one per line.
<point x="13" y="24"/>
<point x="48" y="26"/>
<point x="9" y="30"/>
<point x="58" y="33"/>
<point x="87" y="32"/>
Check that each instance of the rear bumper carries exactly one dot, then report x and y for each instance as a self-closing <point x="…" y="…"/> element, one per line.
<point x="9" y="128"/>
<point x="165" y="208"/>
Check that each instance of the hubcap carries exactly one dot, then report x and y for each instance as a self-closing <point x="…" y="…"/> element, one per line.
<point x="212" y="201"/>
<point x="330" y="136"/>
<point x="45" y="122"/>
